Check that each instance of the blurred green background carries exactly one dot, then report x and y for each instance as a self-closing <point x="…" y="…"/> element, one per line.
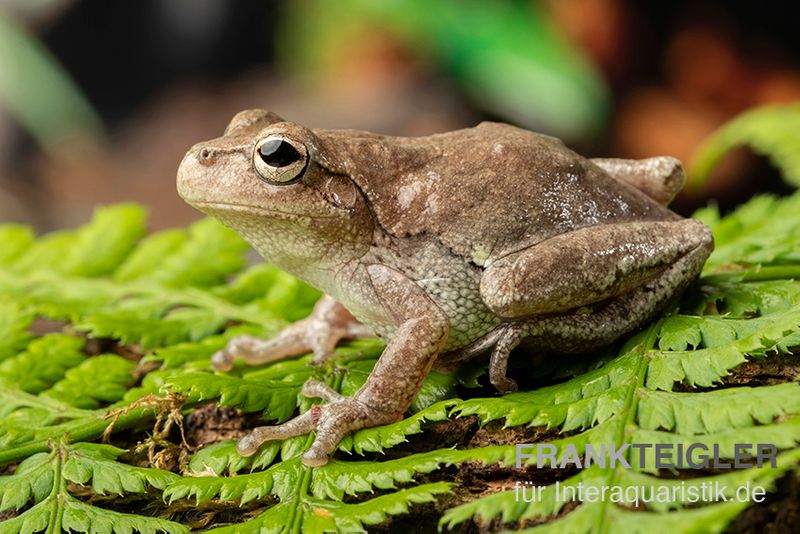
<point x="99" y="100"/>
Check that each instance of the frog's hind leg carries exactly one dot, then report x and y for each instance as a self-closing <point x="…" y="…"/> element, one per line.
<point x="660" y="178"/>
<point x="624" y="273"/>
<point x="319" y="333"/>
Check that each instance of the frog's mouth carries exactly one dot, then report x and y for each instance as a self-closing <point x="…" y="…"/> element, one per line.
<point x="215" y="208"/>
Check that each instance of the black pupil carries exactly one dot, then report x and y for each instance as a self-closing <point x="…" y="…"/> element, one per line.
<point x="278" y="153"/>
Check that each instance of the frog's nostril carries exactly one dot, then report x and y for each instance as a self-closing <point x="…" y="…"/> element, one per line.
<point x="205" y="156"/>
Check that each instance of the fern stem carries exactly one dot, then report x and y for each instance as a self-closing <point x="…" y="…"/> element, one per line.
<point x="24" y="399"/>
<point x="631" y="407"/>
<point x="296" y="516"/>
<point x="756" y="273"/>
<point x="58" y="493"/>
<point x="85" y="431"/>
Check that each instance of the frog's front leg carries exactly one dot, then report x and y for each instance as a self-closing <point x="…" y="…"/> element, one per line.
<point x="319" y="333"/>
<point x="623" y="273"/>
<point x="421" y="332"/>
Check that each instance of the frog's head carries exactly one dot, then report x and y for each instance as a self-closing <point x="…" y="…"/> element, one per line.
<point x="267" y="179"/>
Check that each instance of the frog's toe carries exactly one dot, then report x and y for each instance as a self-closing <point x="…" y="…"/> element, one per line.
<point x="254" y="351"/>
<point x="323" y="337"/>
<point x="222" y="361"/>
<point x="316" y="456"/>
<point x="504" y="384"/>
<point x="320" y="390"/>
<point x="323" y="342"/>
<point x="336" y="420"/>
<point x="302" y="424"/>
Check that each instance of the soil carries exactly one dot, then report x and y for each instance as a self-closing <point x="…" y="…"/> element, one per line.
<point x="209" y="424"/>
<point x="778" y="514"/>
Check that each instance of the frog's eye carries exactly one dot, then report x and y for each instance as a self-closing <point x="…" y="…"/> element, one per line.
<point x="279" y="160"/>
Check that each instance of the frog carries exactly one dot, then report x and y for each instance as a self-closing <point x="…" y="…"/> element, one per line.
<point x="447" y="247"/>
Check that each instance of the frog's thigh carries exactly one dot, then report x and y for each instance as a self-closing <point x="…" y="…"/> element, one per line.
<point x="660" y="178"/>
<point x="581" y="332"/>
<point x="586" y="266"/>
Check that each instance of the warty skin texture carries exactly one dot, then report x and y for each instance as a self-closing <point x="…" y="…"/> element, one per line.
<point x="447" y="247"/>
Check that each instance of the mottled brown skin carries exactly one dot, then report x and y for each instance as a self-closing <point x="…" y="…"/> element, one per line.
<point x="446" y="246"/>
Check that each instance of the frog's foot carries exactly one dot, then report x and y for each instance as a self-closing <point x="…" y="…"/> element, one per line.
<point x="319" y="333"/>
<point x="660" y="177"/>
<point x="254" y="350"/>
<point x="331" y="422"/>
<point x="498" y="362"/>
<point x="323" y="337"/>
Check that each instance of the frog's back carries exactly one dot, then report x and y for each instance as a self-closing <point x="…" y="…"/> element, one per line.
<point x="490" y="190"/>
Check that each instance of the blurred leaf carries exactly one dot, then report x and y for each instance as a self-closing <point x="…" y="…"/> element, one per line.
<point x="505" y="54"/>
<point x="772" y="131"/>
<point x="37" y="91"/>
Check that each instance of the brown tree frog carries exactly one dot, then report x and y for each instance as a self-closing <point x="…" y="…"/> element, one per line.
<point x="446" y="247"/>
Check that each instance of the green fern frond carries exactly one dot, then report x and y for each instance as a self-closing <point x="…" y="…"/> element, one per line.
<point x="510" y="506"/>
<point x="325" y="516"/>
<point x="14" y="323"/>
<point x="705" y="367"/>
<point x="335" y="480"/>
<point x="29" y="422"/>
<point x="16" y="238"/>
<point x="763" y="232"/>
<point x="100" y="246"/>
<point x="45" y="254"/>
<point x="94" y="463"/>
<point x="43" y="479"/>
<point x="44" y="362"/>
<point x="61" y="510"/>
<point x="277" y="480"/>
<point x="77" y="389"/>
<point x="276" y="397"/>
<point x="146" y="311"/>
<point x="210" y="253"/>
<point x="740" y="407"/>
<point x="773" y="131"/>
<point x="33" y="480"/>
<point x="377" y="439"/>
<point x="197" y="353"/>
<point x="222" y="457"/>
<point x="579" y="403"/>
<point x="317" y="515"/>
